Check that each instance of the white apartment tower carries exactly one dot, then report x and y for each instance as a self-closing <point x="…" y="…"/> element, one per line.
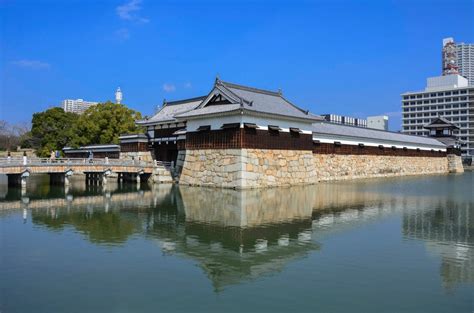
<point x="458" y="58"/>
<point x="78" y="106"/>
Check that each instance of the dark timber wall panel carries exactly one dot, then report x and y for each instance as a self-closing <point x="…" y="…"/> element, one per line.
<point x="329" y="148"/>
<point x="239" y="138"/>
<point x="134" y="147"/>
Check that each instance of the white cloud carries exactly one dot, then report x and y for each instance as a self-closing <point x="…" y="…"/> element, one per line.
<point x="188" y="85"/>
<point x="122" y="34"/>
<point x="130" y="11"/>
<point x="32" y="64"/>
<point x="169" y="87"/>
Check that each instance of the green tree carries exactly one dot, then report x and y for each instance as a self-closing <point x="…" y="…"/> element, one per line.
<point x="104" y="123"/>
<point x="52" y="129"/>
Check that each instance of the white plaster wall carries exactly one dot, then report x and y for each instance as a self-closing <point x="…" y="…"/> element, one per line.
<point x="217" y="122"/>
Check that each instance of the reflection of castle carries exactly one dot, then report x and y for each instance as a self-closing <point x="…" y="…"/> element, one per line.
<point x="236" y="236"/>
<point x="449" y="232"/>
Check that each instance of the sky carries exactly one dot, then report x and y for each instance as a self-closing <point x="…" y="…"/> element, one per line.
<point x="352" y="58"/>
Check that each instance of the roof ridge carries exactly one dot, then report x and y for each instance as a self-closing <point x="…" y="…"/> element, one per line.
<point x="297" y="107"/>
<point x="377" y="130"/>
<point x="185" y="100"/>
<point x="253" y="89"/>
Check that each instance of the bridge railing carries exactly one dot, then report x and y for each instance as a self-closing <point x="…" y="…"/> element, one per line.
<point x="19" y="161"/>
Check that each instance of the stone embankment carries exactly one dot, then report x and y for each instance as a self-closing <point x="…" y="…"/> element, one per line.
<point x="253" y="168"/>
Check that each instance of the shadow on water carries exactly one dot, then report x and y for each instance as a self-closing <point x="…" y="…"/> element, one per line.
<point x="236" y="236"/>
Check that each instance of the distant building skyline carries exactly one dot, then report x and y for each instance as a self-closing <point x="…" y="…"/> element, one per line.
<point x="458" y="58"/>
<point x="77" y="106"/>
<point x="447" y="96"/>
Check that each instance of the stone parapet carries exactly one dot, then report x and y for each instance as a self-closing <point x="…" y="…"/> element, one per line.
<point x="145" y="156"/>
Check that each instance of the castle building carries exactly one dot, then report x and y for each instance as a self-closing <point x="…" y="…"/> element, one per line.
<point x="243" y="137"/>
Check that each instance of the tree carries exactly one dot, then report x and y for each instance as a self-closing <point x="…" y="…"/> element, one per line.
<point x="104" y="123"/>
<point x="52" y="129"/>
<point x="12" y="135"/>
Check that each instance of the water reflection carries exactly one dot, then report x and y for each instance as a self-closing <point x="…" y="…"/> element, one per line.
<point x="237" y="236"/>
<point x="448" y="232"/>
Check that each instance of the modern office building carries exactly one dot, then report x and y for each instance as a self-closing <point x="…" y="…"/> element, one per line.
<point x="78" y="106"/>
<point x="344" y="120"/>
<point x="448" y="96"/>
<point x="378" y="122"/>
<point x="458" y="58"/>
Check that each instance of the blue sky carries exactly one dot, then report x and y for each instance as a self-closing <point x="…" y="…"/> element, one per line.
<point x="343" y="57"/>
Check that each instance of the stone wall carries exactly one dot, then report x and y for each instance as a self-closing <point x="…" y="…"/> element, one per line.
<point x="267" y="168"/>
<point x="455" y="164"/>
<point x="179" y="162"/>
<point x="255" y="168"/>
<point x="340" y="167"/>
<point x="212" y="167"/>
<point x="247" y="168"/>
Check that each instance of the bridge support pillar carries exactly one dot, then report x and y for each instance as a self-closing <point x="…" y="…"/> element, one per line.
<point x="105" y="175"/>
<point x="56" y="178"/>
<point x="18" y="180"/>
<point x="97" y="178"/>
<point x="67" y="175"/>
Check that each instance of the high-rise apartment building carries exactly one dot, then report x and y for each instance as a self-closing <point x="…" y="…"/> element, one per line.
<point x="458" y="58"/>
<point x="78" y="106"/>
<point x="447" y="96"/>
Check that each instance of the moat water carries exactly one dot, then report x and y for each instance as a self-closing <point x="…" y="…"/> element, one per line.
<point x="378" y="245"/>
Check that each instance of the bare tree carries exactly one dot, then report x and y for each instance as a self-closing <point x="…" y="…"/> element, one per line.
<point x="11" y="135"/>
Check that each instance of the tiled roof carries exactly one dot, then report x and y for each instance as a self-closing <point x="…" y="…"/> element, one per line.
<point x="213" y="109"/>
<point x="252" y="100"/>
<point x="352" y="132"/>
<point x="170" y="109"/>
<point x="440" y="122"/>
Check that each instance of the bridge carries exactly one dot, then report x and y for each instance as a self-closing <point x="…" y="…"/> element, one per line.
<point x="96" y="171"/>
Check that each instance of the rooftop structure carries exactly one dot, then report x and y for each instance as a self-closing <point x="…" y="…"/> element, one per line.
<point x="458" y="58"/>
<point x="443" y="131"/>
<point x="378" y="122"/>
<point x="345" y="120"/>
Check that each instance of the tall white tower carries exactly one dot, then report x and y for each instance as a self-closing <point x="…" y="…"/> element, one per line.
<point x="118" y="96"/>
